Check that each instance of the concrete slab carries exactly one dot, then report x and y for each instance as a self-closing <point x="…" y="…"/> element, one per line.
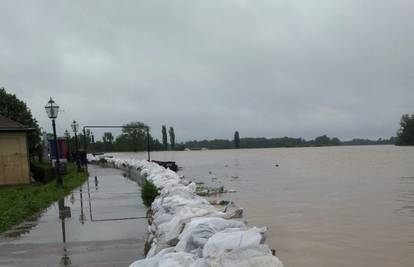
<point x="97" y="224"/>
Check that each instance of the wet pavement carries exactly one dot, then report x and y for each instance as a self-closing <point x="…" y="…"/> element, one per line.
<point x="98" y="224"/>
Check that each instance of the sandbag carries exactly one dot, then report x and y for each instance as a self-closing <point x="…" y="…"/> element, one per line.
<point x="233" y="238"/>
<point x="250" y="256"/>
<point x="167" y="258"/>
<point x="199" y="230"/>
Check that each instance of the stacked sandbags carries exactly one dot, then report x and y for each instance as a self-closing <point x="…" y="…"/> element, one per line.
<point x="186" y="230"/>
<point x="91" y="158"/>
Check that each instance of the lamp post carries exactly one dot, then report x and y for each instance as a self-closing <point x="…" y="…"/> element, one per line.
<point x="67" y="136"/>
<point x="75" y="128"/>
<point x="148" y="144"/>
<point x="52" y="110"/>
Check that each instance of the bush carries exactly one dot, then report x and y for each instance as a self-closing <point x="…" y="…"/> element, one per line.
<point x="148" y="193"/>
<point x="42" y="172"/>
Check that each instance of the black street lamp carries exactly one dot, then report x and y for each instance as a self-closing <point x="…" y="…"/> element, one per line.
<point x="52" y="111"/>
<point x="148" y="143"/>
<point x="75" y="128"/>
<point x="67" y="136"/>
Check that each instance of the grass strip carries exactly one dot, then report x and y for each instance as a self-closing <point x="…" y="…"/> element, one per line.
<point x="19" y="202"/>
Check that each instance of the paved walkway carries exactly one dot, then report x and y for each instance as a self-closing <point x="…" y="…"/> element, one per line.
<point x="101" y="228"/>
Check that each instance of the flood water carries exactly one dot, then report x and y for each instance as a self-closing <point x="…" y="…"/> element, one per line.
<point x="330" y="206"/>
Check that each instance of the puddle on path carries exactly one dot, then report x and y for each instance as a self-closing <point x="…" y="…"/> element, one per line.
<point x="99" y="223"/>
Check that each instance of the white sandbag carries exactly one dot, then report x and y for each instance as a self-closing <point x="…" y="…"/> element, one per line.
<point x="171" y="229"/>
<point x="199" y="230"/>
<point x="91" y="158"/>
<point x="178" y="259"/>
<point x="232" y="238"/>
<point x="246" y="257"/>
<point x="262" y="261"/>
<point x="167" y="258"/>
<point x="151" y="261"/>
<point x="200" y="262"/>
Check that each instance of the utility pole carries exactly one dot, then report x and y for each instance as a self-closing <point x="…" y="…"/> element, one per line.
<point x="148" y="144"/>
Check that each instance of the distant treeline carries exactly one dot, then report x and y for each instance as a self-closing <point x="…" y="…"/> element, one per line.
<point x="134" y="137"/>
<point x="262" y="142"/>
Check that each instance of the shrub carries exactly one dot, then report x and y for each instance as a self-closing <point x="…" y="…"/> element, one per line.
<point x="42" y="172"/>
<point x="148" y="193"/>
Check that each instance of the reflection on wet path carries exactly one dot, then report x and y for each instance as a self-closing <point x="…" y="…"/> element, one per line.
<point x="104" y="219"/>
<point x="97" y="224"/>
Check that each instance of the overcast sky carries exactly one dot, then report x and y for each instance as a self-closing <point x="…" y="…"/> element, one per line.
<point x="266" y="68"/>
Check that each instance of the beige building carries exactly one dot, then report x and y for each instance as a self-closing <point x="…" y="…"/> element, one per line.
<point x="14" y="156"/>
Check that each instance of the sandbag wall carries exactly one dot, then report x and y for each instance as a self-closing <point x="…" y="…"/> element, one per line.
<point x="186" y="230"/>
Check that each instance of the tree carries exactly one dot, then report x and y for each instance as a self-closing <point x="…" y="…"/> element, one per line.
<point x="405" y="135"/>
<point x="172" y="137"/>
<point x="322" y="140"/>
<point x="236" y="140"/>
<point x="82" y="139"/>
<point x="108" y="140"/>
<point x="133" y="137"/>
<point x="164" y="137"/>
<point x="335" y="141"/>
<point x="15" y="109"/>
<point x="67" y="137"/>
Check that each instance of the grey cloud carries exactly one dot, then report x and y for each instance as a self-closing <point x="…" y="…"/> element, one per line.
<point x="265" y="68"/>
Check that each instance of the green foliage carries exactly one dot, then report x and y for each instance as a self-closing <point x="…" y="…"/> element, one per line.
<point x="361" y="142"/>
<point x="326" y="141"/>
<point x="405" y="135"/>
<point x="67" y="136"/>
<point x="123" y="145"/>
<point x="236" y="140"/>
<point x="262" y="142"/>
<point x="133" y="137"/>
<point x="15" y="109"/>
<point x="164" y="137"/>
<point x="148" y="193"/>
<point x="210" y="144"/>
<point x="108" y="140"/>
<point x="19" y="202"/>
<point x="172" y="137"/>
<point x="42" y="172"/>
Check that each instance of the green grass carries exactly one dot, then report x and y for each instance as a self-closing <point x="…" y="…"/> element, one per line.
<point x="19" y="202"/>
<point x="148" y="193"/>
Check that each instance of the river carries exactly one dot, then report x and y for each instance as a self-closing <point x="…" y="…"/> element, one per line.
<point x="325" y="206"/>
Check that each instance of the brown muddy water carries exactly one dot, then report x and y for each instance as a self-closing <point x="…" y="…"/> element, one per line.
<point x="331" y="206"/>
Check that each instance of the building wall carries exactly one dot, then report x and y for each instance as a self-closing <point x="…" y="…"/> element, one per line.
<point x="14" y="163"/>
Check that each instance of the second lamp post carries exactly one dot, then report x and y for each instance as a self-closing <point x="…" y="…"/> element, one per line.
<point x="75" y="128"/>
<point x="52" y="111"/>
